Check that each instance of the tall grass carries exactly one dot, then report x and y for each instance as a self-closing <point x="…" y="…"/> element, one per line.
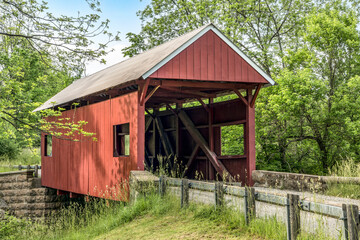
<point x="346" y="168"/>
<point x="97" y="217"/>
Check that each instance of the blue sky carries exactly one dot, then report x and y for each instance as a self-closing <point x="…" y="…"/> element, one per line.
<point x="122" y="16"/>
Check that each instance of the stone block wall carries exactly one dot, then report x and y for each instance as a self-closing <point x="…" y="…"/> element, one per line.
<point x="22" y="195"/>
<point x="289" y="181"/>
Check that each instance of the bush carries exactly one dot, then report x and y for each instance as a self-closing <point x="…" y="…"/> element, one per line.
<point x="9" y="148"/>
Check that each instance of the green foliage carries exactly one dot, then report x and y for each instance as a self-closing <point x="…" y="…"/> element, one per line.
<point x="12" y="227"/>
<point x="232" y="140"/>
<point x="40" y="54"/>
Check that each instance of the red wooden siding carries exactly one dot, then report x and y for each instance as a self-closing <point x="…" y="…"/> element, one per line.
<point x="209" y="59"/>
<point x="88" y="167"/>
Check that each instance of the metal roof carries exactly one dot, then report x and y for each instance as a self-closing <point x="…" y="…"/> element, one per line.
<point x="137" y="67"/>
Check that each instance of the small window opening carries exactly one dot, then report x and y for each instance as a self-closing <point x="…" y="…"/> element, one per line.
<point x="48" y="145"/>
<point x="232" y="140"/>
<point x="121" y="140"/>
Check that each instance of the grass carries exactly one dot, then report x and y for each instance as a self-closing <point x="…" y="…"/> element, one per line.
<point x="346" y="168"/>
<point x="25" y="157"/>
<point x="149" y="218"/>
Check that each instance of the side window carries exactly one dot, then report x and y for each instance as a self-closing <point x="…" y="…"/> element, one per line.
<point x="48" y="145"/>
<point x="121" y="140"/>
<point x="232" y="140"/>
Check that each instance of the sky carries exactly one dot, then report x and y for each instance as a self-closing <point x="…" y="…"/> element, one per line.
<point x="122" y="16"/>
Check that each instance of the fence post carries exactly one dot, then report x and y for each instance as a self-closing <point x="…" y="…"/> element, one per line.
<point x="219" y="194"/>
<point x="344" y="218"/>
<point x="250" y="210"/>
<point x="19" y="167"/>
<point x="28" y="167"/>
<point x="352" y="214"/>
<point x="184" y="192"/>
<point x="162" y="185"/>
<point x="36" y="173"/>
<point x="293" y="216"/>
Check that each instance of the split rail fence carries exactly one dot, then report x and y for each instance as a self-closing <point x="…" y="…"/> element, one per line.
<point x="348" y="214"/>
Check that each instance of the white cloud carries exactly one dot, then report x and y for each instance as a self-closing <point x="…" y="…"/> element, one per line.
<point x="112" y="58"/>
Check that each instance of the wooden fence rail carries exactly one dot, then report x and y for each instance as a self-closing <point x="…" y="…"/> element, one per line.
<point x="27" y="167"/>
<point x="348" y="213"/>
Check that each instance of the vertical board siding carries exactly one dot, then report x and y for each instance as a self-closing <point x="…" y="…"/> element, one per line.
<point x="86" y="166"/>
<point x="209" y="59"/>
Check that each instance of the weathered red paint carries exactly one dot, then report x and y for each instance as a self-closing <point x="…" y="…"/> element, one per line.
<point x="209" y="59"/>
<point x="88" y="167"/>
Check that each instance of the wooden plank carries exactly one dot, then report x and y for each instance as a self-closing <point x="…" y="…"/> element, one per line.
<point x="197" y="59"/>
<point x="217" y="58"/>
<point x="191" y="92"/>
<point x="211" y="57"/>
<point x="164" y="137"/>
<point x="199" y="139"/>
<point x="190" y="62"/>
<point x="204" y="52"/>
<point x="201" y="84"/>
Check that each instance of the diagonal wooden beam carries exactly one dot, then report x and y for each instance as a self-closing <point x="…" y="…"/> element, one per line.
<point x="191" y="159"/>
<point x="252" y="103"/>
<point x="151" y="93"/>
<point x="147" y="159"/>
<point x="199" y="139"/>
<point x="240" y="96"/>
<point x="203" y="104"/>
<point x="144" y="91"/>
<point x="148" y="124"/>
<point x="164" y="137"/>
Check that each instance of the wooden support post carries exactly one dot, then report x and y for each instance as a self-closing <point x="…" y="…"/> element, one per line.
<point x="219" y="194"/>
<point x="293" y="216"/>
<point x="249" y="200"/>
<point x="60" y="193"/>
<point x="75" y="195"/>
<point x="249" y="140"/>
<point x="162" y="185"/>
<point x="344" y="218"/>
<point x="184" y="192"/>
<point x="211" y="175"/>
<point x="352" y="215"/>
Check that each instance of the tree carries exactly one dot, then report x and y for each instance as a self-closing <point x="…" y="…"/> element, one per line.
<point x="310" y="106"/>
<point x="40" y="54"/>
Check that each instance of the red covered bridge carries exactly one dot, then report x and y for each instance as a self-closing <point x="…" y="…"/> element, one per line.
<point x="198" y="66"/>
